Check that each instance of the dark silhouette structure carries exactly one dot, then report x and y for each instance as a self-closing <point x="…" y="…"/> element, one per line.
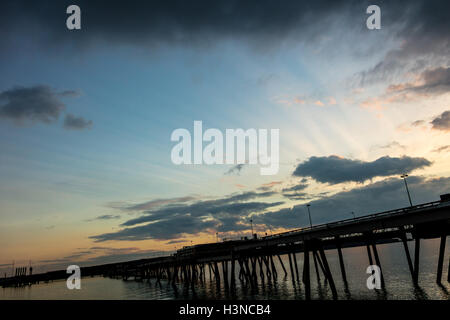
<point x="250" y="259"/>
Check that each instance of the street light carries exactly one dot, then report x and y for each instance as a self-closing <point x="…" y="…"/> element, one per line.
<point x="217" y="236"/>
<point x="251" y="223"/>
<point x="309" y="214"/>
<point x="406" y="186"/>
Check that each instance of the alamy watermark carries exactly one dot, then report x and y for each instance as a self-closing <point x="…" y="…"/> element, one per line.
<point x="374" y="281"/>
<point x="374" y="20"/>
<point x="74" y="280"/>
<point x="250" y="146"/>
<point x="73" y="21"/>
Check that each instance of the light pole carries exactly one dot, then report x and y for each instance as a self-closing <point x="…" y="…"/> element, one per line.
<point x="309" y="214"/>
<point x="251" y="223"/>
<point x="406" y="186"/>
<point x="217" y="236"/>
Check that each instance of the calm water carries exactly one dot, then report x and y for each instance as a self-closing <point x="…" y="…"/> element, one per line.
<point x="393" y="260"/>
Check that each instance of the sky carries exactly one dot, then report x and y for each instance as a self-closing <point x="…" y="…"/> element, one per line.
<point x="86" y="118"/>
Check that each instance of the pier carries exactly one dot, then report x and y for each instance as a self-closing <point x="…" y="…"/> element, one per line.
<point x="252" y="260"/>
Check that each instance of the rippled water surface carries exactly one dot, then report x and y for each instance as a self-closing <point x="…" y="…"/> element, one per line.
<point x="395" y="269"/>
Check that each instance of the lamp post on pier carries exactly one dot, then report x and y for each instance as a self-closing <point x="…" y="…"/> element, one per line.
<point x="406" y="186"/>
<point x="309" y="214"/>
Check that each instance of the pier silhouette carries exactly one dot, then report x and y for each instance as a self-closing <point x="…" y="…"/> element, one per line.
<point x="252" y="260"/>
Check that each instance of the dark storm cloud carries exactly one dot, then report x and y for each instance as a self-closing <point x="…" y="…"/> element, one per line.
<point x="377" y="197"/>
<point x="169" y="222"/>
<point x="34" y="104"/>
<point x="72" y="122"/>
<point x="442" y="122"/>
<point x="196" y="22"/>
<point x="333" y="169"/>
<point x="421" y="30"/>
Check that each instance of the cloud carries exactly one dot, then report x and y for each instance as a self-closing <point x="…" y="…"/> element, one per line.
<point x="319" y="103"/>
<point x="332" y="101"/>
<point x="152" y="204"/>
<point x="420" y="31"/>
<point x="377" y="197"/>
<point x="235" y="170"/>
<point x="105" y="217"/>
<point x="70" y="93"/>
<point x="442" y="122"/>
<point x="391" y="145"/>
<point x="174" y="221"/>
<point x="418" y="123"/>
<point x="72" y="122"/>
<point x="301" y="100"/>
<point x="163" y="230"/>
<point x="334" y="169"/>
<point x="39" y="103"/>
<point x="297" y="187"/>
<point x="176" y="241"/>
<point x="161" y="22"/>
<point x="268" y="186"/>
<point x="296" y="192"/>
<point x="430" y="82"/>
<point x="34" y="104"/>
<point x="443" y="148"/>
<point x="231" y="216"/>
<point x="203" y="208"/>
